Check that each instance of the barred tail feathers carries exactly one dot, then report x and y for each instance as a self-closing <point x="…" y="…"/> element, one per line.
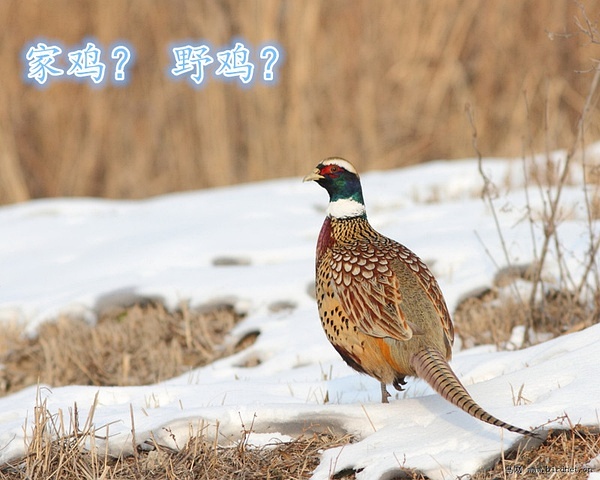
<point x="432" y="367"/>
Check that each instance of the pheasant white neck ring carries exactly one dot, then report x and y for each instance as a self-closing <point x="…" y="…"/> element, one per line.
<point x="345" y="208"/>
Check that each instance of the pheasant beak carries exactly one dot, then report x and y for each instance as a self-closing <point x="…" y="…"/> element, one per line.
<point x="315" y="175"/>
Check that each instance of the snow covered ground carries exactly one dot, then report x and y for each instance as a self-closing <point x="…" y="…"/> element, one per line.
<point x="253" y="246"/>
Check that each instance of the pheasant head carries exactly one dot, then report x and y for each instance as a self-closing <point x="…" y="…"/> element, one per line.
<point x="340" y="179"/>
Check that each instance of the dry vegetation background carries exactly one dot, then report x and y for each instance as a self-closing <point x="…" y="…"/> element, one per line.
<point x="384" y="83"/>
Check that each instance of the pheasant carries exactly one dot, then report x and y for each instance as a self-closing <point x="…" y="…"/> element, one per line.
<point x="380" y="306"/>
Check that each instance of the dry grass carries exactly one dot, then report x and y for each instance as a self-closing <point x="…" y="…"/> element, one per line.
<point x="133" y="346"/>
<point x="489" y="316"/>
<point x="384" y="83"/>
<point x="566" y="301"/>
<point x="564" y="454"/>
<point x="60" y="452"/>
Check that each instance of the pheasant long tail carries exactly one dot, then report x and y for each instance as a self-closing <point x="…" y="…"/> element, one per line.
<point x="432" y="367"/>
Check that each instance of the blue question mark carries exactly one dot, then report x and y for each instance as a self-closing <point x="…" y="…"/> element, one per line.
<point x="272" y="54"/>
<point x="123" y="55"/>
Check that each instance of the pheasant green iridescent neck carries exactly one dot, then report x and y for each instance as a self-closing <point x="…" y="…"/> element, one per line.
<point x="345" y="196"/>
<point x="346" y="186"/>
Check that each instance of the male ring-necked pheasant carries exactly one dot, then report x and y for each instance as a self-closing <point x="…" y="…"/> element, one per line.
<point x="380" y="306"/>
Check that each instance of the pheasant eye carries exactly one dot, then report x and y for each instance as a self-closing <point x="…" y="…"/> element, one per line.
<point x="333" y="168"/>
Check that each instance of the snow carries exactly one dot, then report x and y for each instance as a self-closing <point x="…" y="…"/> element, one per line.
<point x="252" y="246"/>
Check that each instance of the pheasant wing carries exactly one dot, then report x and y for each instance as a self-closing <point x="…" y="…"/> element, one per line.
<point x="369" y="292"/>
<point x="429" y="285"/>
<point x="367" y="280"/>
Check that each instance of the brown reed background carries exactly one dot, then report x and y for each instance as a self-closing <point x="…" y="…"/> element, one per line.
<point x="384" y="83"/>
